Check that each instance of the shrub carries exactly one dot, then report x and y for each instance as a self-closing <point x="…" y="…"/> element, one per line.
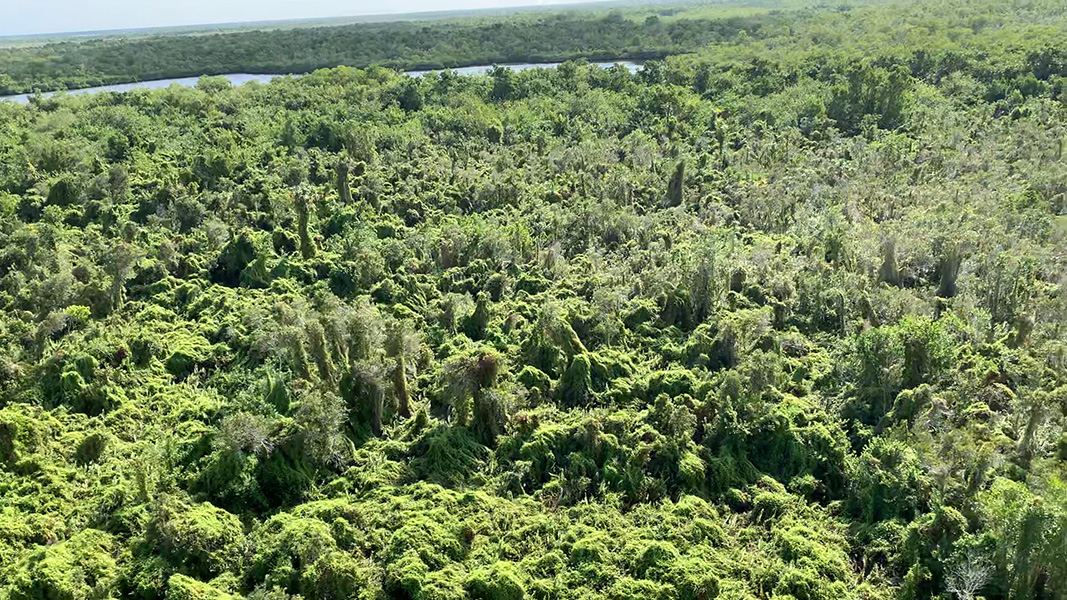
<point x="91" y="448"/>
<point x="407" y="574"/>
<point x="81" y="568"/>
<point x="180" y="587"/>
<point x="199" y="538"/>
<point x="501" y="581"/>
<point x="591" y="549"/>
<point x="767" y="506"/>
<point x="654" y="560"/>
<point x="694" y="579"/>
<point x="888" y="481"/>
<point x="340" y="576"/>
<point x="435" y="543"/>
<point x="286" y="543"/>
<point x="638" y="589"/>
<point x="534" y="379"/>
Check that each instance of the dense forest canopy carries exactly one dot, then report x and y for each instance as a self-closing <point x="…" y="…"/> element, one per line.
<point x="780" y="317"/>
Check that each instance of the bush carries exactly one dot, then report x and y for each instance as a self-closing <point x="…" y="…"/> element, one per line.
<point x="888" y="482"/>
<point x="638" y="589"/>
<point x="808" y="585"/>
<point x="694" y="579"/>
<point x="534" y="379"/>
<point x="285" y="544"/>
<point x="767" y="506"/>
<point x="238" y="254"/>
<point x="91" y="448"/>
<point x="81" y="568"/>
<point x="575" y="386"/>
<point x="340" y="576"/>
<point x="501" y="581"/>
<point x="198" y="538"/>
<point x="180" y="587"/>
<point x="435" y="542"/>
<point x="654" y="560"/>
<point x="589" y="550"/>
<point x="407" y="574"/>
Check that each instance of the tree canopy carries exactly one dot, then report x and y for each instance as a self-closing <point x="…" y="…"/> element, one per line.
<point x="780" y="317"/>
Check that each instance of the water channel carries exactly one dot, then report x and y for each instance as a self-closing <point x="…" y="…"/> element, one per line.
<point x="241" y="78"/>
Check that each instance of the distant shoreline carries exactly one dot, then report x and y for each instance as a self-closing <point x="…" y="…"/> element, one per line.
<point x="243" y="78"/>
<point x="326" y="21"/>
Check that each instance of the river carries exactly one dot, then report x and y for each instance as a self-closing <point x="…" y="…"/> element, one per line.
<point x="241" y="78"/>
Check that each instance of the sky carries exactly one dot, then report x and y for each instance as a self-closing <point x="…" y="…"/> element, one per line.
<point x="30" y="17"/>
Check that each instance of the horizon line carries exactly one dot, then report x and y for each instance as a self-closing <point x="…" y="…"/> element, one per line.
<point x="380" y="17"/>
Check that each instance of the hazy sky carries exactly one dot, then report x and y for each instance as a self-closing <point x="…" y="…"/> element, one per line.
<point x="23" y="17"/>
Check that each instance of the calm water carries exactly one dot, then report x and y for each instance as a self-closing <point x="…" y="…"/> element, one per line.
<point x="240" y="78"/>
<point x="235" y="78"/>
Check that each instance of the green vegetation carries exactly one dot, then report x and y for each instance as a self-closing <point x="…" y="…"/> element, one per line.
<point x="411" y="45"/>
<point x="783" y="317"/>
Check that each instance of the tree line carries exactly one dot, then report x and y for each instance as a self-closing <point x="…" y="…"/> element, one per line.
<point x="401" y="45"/>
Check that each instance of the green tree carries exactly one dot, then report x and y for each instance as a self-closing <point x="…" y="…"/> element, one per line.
<point x="402" y="345"/>
<point x="303" y="201"/>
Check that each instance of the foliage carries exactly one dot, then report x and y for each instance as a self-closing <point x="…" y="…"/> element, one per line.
<point x="780" y="317"/>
